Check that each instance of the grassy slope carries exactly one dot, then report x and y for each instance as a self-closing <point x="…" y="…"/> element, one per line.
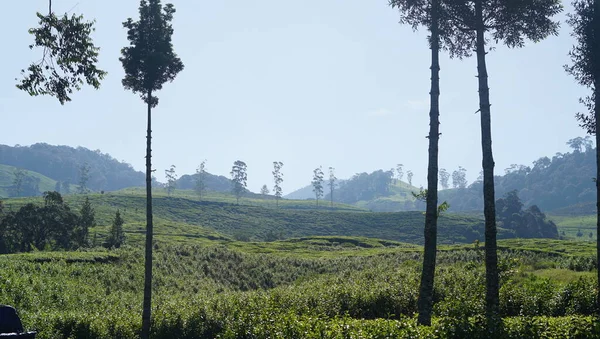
<point x="179" y="217"/>
<point x="7" y="177"/>
<point x="572" y="224"/>
<point x="400" y="194"/>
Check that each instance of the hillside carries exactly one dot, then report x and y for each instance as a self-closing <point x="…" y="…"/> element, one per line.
<point x="33" y="183"/>
<point x="217" y="183"/>
<point x="376" y="191"/>
<point x="183" y="217"/>
<point x="551" y="184"/>
<point x="63" y="163"/>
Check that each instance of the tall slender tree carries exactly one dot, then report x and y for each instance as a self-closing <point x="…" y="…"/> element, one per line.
<point x="444" y="177"/>
<point x="409" y="176"/>
<point x="69" y="57"/>
<point x="317" y="183"/>
<point x="332" y="180"/>
<point x="239" y="178"/>
<point x="116" y="237"/>
<point x="585" y="68"/>
<point x="84" y="177"/>
<point x="264" y="191"/>
<point x="149" y="61"/>
<point x="171" y="177"/>
<point x="17" y="184"/>
<point x="510" y="23"/>
<point x="200" y="179"/>
<point x="87" y="220"/>
<point x="427" y="13"/>
<point x="400" y="171"/>
<point x="278" y="179"/>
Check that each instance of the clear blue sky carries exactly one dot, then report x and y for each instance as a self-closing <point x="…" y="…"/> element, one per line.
<point x="316" y="82"/>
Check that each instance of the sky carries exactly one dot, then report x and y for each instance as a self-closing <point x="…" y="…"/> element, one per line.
<point x="332" y="83"/>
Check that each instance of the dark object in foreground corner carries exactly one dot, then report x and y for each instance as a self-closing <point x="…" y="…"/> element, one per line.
<point x="11" y="326"/>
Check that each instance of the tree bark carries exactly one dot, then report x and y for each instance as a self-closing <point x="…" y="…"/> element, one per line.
<point x="596" y="90"/>
<point x="425" y="302"/>
<point x="489" y="210"/>
<point x="147" y="307"/>
<point x="596" y="115"/>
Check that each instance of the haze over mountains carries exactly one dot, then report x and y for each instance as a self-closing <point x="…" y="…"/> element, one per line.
<point x="551" y="183"/>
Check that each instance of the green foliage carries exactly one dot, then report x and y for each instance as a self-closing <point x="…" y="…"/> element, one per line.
<point x="459" y="178"/>
<point x="363" y="186"/>
<point x="19" y="175"/>
<point x="200" y="179"/>
<point x="317" y="183"/>
<point x="150" y="61"/>
<point x="529" y="223"/>
<point x="84" y="177"/>
<point x="332" y="183"/>
<point x="52" y="226"/>
<point x="116" y="236"/>
<point x="69" y="58"/>
<point x="555" y="183"/>
<point x="584" y="57"/>
<point x="62" y="163"/>
<point x="87" y="218"/>
<point x="239" y="178"/>
<point x="213" y="291"/>
<point x="278" y="179"/>
<point x="444" y="177"/>
<point x="171" y="177"/>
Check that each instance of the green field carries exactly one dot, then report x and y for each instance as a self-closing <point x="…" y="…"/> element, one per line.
<point x="572" y="225"/>
<point x="180" y="216"/>
<point x="329" y="273"/>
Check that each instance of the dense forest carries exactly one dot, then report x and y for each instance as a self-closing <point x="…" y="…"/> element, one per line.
<point x="63" y="164"/>
<point x="551" y="183"/>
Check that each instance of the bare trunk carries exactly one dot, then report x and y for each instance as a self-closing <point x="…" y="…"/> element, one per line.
<point x="489" y="209"/>
<point x="596" y="115"/>
<point x="331" y="197"/>
<point x="146" y="315"/>
<point x="425" y="302"/>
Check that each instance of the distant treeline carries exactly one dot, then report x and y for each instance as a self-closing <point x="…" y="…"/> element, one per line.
<point x="63" y="164"/>
<point x="564" y="180"/>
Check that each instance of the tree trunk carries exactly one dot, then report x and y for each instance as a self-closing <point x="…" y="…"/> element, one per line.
<point x="146" y="315"/>
<point x="331" y="196"/>
<point x="489" y="210"/>
<point x="596" y="116"/>
<point x="596" y="94"/>
<point x="425" y="302"/>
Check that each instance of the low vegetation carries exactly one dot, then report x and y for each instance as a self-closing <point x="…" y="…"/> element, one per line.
<point x="329" y="291"/>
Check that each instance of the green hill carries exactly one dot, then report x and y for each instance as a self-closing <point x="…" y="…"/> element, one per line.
<point x="563" y="181"/>
<point x="551" y="184"/>
<point x="40" y="183"/>
<point x="181" y="217"/>
<point x="62" y="163"/>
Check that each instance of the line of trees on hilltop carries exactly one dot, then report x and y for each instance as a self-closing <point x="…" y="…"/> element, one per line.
<point x="551" y="183"/>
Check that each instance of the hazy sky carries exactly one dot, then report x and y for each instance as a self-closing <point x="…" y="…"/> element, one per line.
<point x="315" y="82"/>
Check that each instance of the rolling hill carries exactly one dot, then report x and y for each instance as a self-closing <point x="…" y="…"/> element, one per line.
<point x="182" y="217"/>
<point x="39" y="183"/>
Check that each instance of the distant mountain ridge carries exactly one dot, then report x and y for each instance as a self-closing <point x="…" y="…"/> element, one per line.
<point x="59" y="166"/>
<point x="564" y="180"/>
<point x="63" y="163"/>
